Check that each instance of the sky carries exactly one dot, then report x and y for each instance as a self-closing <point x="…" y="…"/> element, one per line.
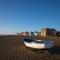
<point x="28" y="15"/>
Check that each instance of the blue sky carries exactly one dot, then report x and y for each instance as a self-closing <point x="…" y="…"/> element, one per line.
<point x="28" y="15"/>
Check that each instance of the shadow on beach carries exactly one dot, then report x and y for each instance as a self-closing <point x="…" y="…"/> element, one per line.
<point x="54" y="50"/>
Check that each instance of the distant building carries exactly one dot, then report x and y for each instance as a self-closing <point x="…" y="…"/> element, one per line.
<point x="39" y="34"/>
<point x="43" y="33"/>
<point x="25" y="33"/>
<point x="58" y="33"/>
<point x="48" y="32"/>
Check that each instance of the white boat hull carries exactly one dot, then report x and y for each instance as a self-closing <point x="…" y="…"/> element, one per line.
<point x="33" y="45"/>
<point x="48" y="44"/>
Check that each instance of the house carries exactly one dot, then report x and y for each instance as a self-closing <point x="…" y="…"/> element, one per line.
<point x="58" y="33"/>
<point x="48" y="32"/>
<point x="25" y="33"/>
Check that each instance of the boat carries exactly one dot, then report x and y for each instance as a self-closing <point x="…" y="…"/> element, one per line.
<point x="38" y="44"/>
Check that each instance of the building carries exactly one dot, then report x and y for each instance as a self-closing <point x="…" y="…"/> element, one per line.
<point x="25" y="33"/>
<point x="48" y="32"/>
<point x="39" y="33"/>
<point x="58" y="33"/>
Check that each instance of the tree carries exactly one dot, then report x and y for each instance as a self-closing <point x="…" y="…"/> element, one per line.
<point x="36" y="32"/>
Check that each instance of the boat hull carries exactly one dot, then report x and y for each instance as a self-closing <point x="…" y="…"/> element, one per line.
<point x="34" y="45"/>
<point x="38" y="44"/>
